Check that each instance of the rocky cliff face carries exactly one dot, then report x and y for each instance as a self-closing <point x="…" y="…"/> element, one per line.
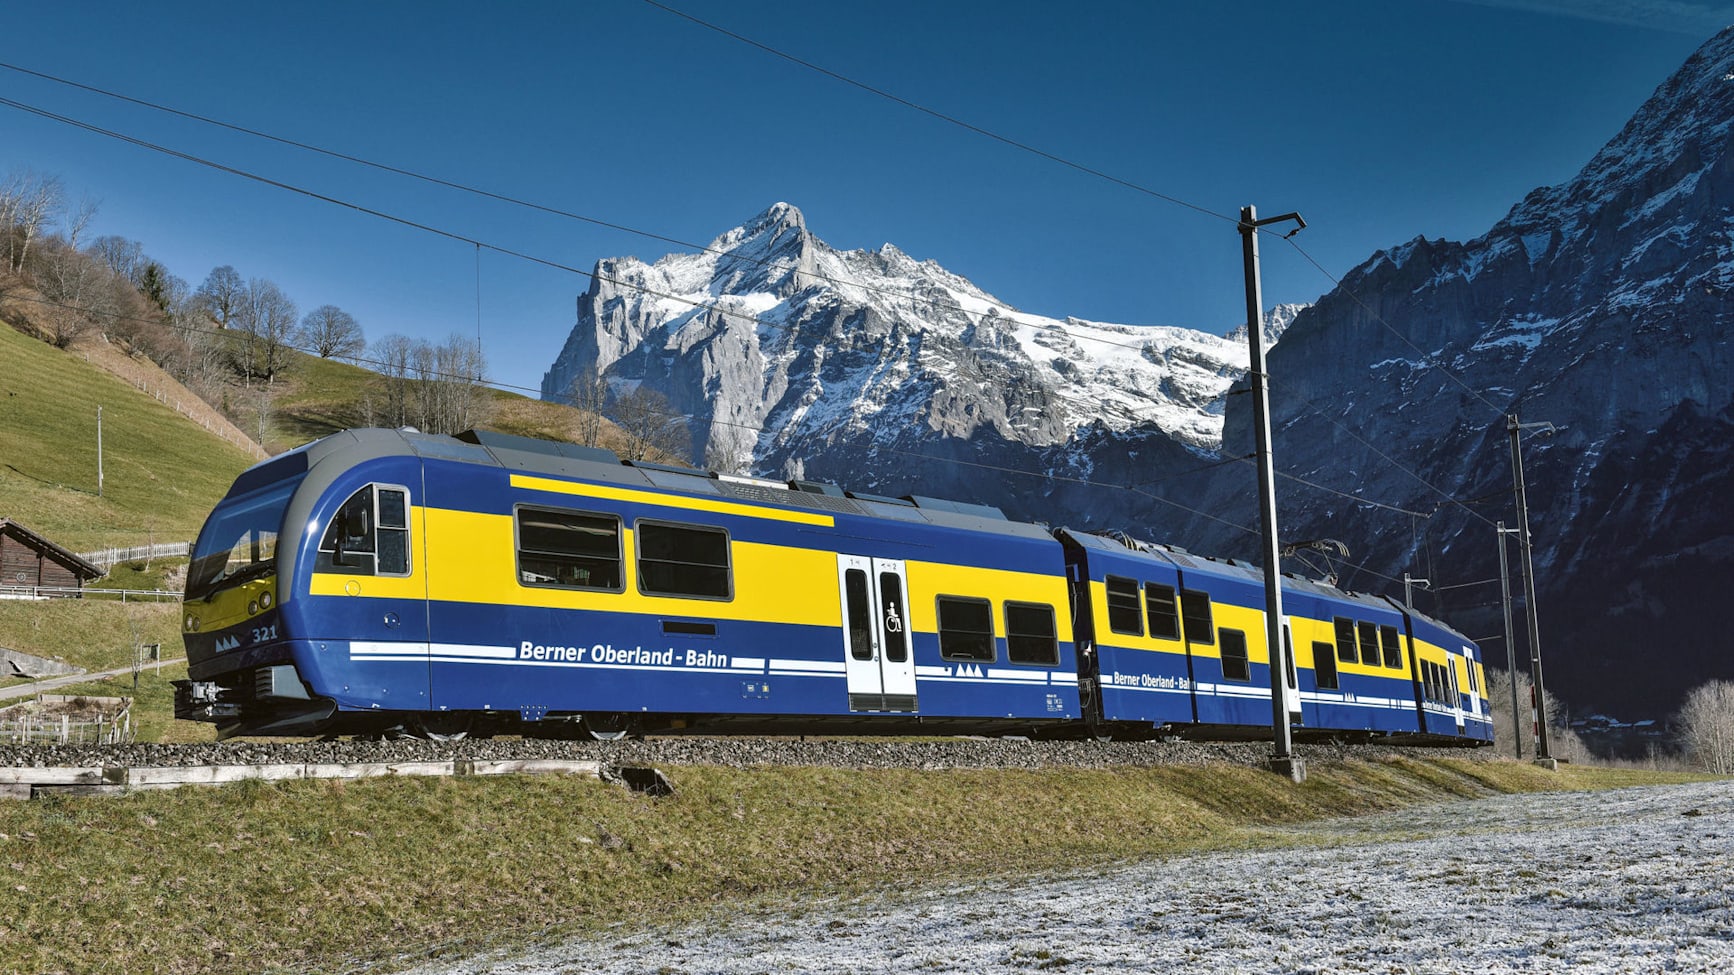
<point x="1601" y="306"/>
<point x="797" y="359"/>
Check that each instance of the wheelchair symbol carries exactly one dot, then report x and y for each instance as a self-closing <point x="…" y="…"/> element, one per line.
<point x="892" y="623"/>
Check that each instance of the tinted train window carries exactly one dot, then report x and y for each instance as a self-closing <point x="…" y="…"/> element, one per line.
<point x="1123" y="614"/>
<point x="1030" y="637"/>
<point x="1369" y="643"/>
<point x="1325" y="666"/>
<point x="1393" y="647"/>
<point x="965" y="628"/>
<point x="860" y="621"/>
<point x="1345" y="639"/>
<point x="370" y="534"/>
<point x="1164" y="612"/>
<point x="1235" y="666"/>
<point x="683" y="560"/>
<point x="568" y="549"/>
<point x="1195" y="607"/>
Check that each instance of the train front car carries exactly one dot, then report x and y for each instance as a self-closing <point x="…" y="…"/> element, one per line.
<point x="260" y="655"/>
<point x="382" y="579"/>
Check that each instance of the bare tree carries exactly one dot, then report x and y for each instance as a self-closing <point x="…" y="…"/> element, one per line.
<point x="1563" y="742"/>
<point x="1705" y="727"/>
<point x="392" y="356"/>
<point x="221" y="295"/>
<point x="200" y="362"/>
<point x="82" y="290"/>
<point x="462" y="401"/>
<point x="589" y="395"/>
<point x="78" y="221"/>
<point x="651" y="425"/>
<point x="331" y="331"/>
<point x="265" y="320"/>
<point x="29" y="204"/>
<point x="122" y="256"/>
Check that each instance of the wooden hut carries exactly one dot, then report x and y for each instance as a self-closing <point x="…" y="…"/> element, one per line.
<point x="29" y="561"/>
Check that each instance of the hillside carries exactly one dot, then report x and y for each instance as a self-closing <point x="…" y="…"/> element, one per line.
<point x="162" y="470"/>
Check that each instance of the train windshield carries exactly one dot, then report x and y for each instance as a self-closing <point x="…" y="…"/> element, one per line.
<point x="239" y="542"/>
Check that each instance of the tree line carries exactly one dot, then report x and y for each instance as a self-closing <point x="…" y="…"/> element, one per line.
<point x="1702" y="731"/>
<point x="230" y="340"/>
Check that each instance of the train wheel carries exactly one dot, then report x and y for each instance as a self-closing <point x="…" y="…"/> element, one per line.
<point x="607" y="725"/>
<point x="442" y="726"/>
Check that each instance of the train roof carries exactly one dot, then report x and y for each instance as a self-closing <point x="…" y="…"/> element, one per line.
<point x="556" y="459"/>
<point x="1121" y="545"/>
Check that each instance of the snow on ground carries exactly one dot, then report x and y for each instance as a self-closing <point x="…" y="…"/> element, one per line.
<point x="1634" y="880"/>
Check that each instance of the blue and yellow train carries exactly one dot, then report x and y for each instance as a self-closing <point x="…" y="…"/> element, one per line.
<point x="488" y="584"/>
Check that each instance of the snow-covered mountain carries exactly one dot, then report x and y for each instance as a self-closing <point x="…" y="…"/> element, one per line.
<point x="1602" y="306"/>
<point x="789" y="353"/>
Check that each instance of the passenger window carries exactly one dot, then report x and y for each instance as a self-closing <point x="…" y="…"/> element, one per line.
<point x="369" y="535"/>
<point x="564" y="549"/>
<point x="1345" y="639"/>
<point x="690" y="561"/>
<point x="1235" y="665"/>
<point x="1369" y="643"/>
<point x="1325" y="666"/>
<point x="1195" y="607"/>
<point x="1393" y="644"/>
<point x="1163" y="610"/>
<point x="1030" y="637"/>
<point x="965" y="629"/>
<point x="1123" y="615"/>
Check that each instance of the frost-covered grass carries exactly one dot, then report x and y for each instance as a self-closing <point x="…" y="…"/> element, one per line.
<point x="327" y="875"/>
<point x="1631" y="880"/>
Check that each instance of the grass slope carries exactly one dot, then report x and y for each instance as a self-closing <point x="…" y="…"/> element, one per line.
<point x="162" y="474"/>
<point x="317" y="397"/>
<point x="331" y="875"/>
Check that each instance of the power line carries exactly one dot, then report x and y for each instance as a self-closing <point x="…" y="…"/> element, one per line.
<point x="941" y="116"/>
<point x="479" y="244"/>
<point x="528" y="204"/>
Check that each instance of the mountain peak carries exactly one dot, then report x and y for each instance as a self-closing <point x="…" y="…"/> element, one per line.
<point x="772" y="252"/>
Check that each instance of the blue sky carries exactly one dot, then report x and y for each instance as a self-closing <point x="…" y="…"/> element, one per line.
<point x="1377" y="121"/>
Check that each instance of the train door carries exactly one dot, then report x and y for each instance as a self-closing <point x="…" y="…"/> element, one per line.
<point x="1456" y="692"/>
<point x="877" y="654"/>
<point x="1290" y="684"/>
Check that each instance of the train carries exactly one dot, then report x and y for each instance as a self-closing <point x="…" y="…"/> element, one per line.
<point x="380" y="581"/>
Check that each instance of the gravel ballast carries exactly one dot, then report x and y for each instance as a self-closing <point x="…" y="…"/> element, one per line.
<point x="939" y="753"/>
<point x="1630" y="880"/>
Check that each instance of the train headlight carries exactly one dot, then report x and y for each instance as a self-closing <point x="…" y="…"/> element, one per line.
<point x="264" y="600"/>
<point x="192" y="623"/>
<point x="252" y="607"/>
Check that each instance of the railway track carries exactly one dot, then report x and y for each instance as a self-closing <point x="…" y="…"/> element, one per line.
<point x="925" y="753"/>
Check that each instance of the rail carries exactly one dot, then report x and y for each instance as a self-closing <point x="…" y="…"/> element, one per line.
<point x="73" y="592"/>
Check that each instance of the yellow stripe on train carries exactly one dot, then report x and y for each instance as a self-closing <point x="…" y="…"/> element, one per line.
<point x="633" y="496"/>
